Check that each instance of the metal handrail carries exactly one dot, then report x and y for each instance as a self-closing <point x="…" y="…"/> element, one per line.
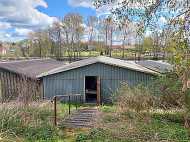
<point x="69" y="102"/>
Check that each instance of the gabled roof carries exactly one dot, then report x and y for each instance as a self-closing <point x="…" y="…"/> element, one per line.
<point x="31" y="68"/>
<point x="100" y="59"/>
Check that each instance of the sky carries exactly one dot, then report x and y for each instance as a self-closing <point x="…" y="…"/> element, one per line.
<point x="20" y="17"/>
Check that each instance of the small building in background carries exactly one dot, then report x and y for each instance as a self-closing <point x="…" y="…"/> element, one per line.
<point x="158" y="66"/>
<point x="95" y="79"/>
<point x="3" y="49"/>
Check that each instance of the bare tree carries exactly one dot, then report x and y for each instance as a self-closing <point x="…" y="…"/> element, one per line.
<point x="55" y="36"/>
<point x="109" y="29"/>
<point x="124" y="31"/>
<point x="92" y="21"/>
<point x="73" y="30"/>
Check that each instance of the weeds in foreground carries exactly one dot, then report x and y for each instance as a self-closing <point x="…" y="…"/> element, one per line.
<point x="136" y="117"/>
<point x="130" y="126"/>
<point x="27" y="123"/>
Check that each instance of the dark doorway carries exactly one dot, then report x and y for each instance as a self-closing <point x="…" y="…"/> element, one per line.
<point x="91" y="89"/>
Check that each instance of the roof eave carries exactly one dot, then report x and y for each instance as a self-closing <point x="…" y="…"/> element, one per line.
<point x="98" y="61"/>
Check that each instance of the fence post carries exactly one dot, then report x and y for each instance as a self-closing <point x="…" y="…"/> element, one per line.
<point x="69" y="104"/>
<point x="55" y="111"/>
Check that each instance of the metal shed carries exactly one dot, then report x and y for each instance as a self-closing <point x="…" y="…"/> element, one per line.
<point x="20" y="77"/>
<point x="96" y="78"/>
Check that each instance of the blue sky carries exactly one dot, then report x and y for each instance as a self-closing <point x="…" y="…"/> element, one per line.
<point x="20" y="17"/>
<point x="59" y="8"/>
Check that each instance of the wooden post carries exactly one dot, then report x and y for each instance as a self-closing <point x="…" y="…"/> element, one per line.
<point x="55" y="111"/>
<point x="1" y="87"/>
<point x="98" y="91"/>
<point x="69" y="104"/>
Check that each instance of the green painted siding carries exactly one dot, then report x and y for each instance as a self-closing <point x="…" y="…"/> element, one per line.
<point x="72" y="81"/>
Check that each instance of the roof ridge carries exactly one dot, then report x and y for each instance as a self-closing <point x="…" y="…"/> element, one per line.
<point x="101" y="59"/>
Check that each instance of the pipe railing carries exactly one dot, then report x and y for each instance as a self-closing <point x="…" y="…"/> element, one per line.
<point x="70" y="99"/>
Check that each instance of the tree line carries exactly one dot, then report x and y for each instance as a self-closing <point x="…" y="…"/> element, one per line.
<point x="73" y="36"/>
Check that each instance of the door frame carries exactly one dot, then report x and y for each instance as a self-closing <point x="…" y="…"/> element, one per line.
<point x="98" y="89"/>
<point x="98" y="95"/>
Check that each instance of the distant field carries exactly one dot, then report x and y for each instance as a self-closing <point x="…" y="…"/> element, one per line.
<point x="128" y="54"/>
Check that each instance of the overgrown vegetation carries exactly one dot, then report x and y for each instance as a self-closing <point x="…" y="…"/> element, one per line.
<point x="27" y="123"/>
<point x="31" y="123"/>
<point x="131" y="126"/>
<point x="138" y="116"/>
<point x="168" y="88"/>
<point x="137" y="98"/>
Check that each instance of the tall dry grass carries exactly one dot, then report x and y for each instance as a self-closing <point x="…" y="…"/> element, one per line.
<point x="134" y="98"/>
<point x="22" y="122"/>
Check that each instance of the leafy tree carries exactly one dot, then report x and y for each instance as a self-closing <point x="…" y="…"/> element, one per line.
<point x="147" y="44"/>
<point x="39" y="43"/>
<point x="177" y="15"/>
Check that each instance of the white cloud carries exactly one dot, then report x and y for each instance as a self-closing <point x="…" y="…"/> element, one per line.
<point x="23" y="16"/>
<point x="148" y="33"/>
<point x="81" y="3"/>
<point x="4" y="25"/>
<point x="22" y="31"/>
<point x="162" y="20"/>
<point x="102" y="11"/>
<point x="7" y="35"/>
<point x="24" y="13"/>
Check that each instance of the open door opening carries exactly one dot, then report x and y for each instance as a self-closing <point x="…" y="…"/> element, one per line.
<point x="91" y="89"/>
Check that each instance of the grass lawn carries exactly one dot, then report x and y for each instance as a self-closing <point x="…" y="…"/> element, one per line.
<point x="156" y="126"/>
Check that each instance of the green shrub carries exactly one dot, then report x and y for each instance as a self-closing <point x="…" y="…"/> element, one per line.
<point x="98" y="134"/>
<point x="136" y="98"/>
<point x="44" y="132"/>
<point x="169" y="117"/>
<point x="168" y="88"/>
<point x="159" y="130"/>
<point x="82" y="137"/>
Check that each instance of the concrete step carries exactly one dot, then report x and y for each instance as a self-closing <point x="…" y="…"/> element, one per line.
<point x="83" y="114"/>
<point x="81" y="118"/>
<point x="78" y="126"/>
<point x="90" y="112"/>
<point x="77" y="120"/>
<point x="87" y="111"/>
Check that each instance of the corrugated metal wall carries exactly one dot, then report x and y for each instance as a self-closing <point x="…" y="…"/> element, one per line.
<point x="72" y="82"/>
<point x="13" y="85"/>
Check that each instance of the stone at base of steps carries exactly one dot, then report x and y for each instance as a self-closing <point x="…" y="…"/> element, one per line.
<point x="83" y="118"/>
